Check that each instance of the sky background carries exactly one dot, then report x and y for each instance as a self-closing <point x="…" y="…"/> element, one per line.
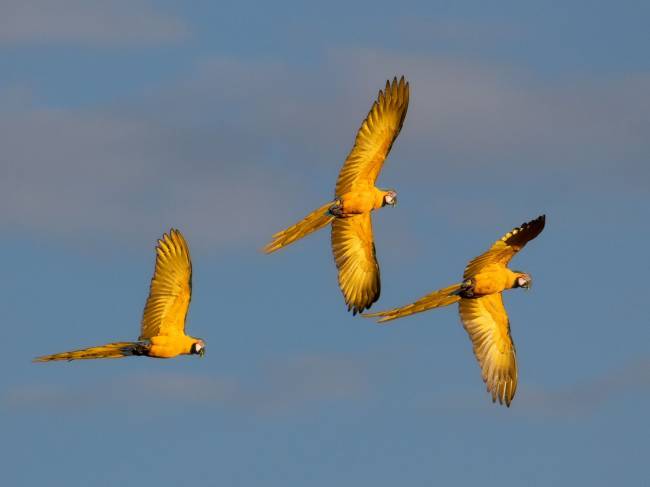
<point x="230" y="121"/>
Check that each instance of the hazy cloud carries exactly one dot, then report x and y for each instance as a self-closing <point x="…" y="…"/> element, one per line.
<point x="311" y="379"/>
<point x="585" y="398"/>
<point x="464" y="114"/>
<point x="136" y="22"/>
<point x="279" y="387"/>
<point x="227" y="151"/>
<point x="474" y="111"/>
<point x="578" y="400"/>
<point x="68" y="172"/>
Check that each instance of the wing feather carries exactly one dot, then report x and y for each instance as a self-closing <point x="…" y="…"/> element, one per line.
<point x="486" y="322"/>
<point x="375" y="138"/>
<point x="171" y="288"/>
<point x="354" y="254"/>
<point x="504" y="249"/>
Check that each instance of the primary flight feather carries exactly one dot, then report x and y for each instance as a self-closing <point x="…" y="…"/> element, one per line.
<point x="162" y="331"/>
<point x="481" y="308"/>
<point x="355" y="198"/>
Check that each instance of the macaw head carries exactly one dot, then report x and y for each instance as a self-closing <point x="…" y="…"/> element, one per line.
<point x="198" y="348"/>
<point x="390" y="198"/>
<point x="523" y="280"/>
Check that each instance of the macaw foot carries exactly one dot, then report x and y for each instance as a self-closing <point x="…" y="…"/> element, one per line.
<point x="336" y="209"/>
<point x="467" y="288"/>
<point x="138" y="348"/>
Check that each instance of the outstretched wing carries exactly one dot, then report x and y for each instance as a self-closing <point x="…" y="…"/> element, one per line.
<point x="375" y="138"/>
<point x="507" y="246"/>
<point x="487" y="324"/>
<point x="436" y="299"/>
<point x="171" y="288"/>
<point x="354" y="253"/>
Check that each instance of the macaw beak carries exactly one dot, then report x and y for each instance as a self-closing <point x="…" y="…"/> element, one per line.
<point x="202" y="352"/>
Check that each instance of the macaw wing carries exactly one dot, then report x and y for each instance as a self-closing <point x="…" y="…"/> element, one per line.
<point x="506" y="247"/>
<point x="354" y="253"/>
<point x="486" y="322"/>
<point x="171" y="288"/>
<point x="375" y="138"/>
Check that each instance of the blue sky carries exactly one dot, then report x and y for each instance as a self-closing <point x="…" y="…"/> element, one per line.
<point x="230" y="120"/>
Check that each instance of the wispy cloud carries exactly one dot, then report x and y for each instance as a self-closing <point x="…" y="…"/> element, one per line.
<point x="83" y="22"/>
<point x="579" y="400"/>
<point x="68" y="172"/>
<point x="284" y="386"/>
<point x="473" y="111"/>
<point x="454" y="31"/>
<point x="310" y="379"/>
<point x="276" y="388"/>
<point x="464" y="113"/>
<point x="585" y="398"/>
<point x="227" y="151"/>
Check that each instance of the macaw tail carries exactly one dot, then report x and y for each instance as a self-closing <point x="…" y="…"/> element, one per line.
<point x="110" y="350"/>
<point x="437" y="299"/>
<point x="316" y="220"/>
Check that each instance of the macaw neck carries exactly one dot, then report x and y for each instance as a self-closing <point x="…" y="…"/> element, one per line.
<point x="379" y="196"/>
<point x="512" y="278"/>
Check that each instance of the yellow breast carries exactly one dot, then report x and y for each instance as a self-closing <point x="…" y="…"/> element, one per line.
<point x="357" y="202"/>
<point x="493" y="279"/>
<point x="170" y="346"/>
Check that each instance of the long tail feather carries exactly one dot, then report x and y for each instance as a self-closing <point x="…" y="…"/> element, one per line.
<point x="436" y="299"/>
<point x="110" y="350"/>
<point x="316" y="220"/>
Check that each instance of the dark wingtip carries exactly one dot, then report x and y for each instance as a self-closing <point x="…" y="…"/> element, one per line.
<point x="541" y="219"/>
<point x="538" y="223"/>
